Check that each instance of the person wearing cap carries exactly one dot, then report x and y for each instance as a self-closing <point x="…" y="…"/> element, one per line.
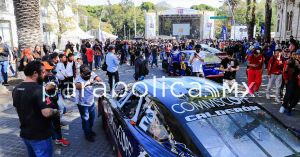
<point x="85" y="100"/>
<point x="113" y="62"/>
<point x="275" y="68"/>
<point x="51" y="97"/>
<point x="292" y="80"/>
<point x="196" y="60"/>
<point x="255" y="66"/>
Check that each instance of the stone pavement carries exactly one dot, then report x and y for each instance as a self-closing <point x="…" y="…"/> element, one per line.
<point x="12" y="146"/>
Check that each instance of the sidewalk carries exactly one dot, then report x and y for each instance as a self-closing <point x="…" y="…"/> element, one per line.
<point x="271" y="105"/>
<point x="6" y="94"/>
<point x="5" y="98"/>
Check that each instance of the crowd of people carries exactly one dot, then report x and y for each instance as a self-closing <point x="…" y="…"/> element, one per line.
<point x="53" y="75"/>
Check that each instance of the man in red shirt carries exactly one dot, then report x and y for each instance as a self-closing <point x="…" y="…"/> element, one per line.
<point x="89" y="55"/>
<point x="275" y="68"/>
<point x="255" y="64"/>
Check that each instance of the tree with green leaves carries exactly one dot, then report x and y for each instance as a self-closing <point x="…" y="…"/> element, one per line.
<point x="63" y="23"/>
<point x="147" y="6"/>
<point x="203" y="7"/>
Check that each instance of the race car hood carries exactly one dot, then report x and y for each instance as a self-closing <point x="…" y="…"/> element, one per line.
<point x="233" y="127"/>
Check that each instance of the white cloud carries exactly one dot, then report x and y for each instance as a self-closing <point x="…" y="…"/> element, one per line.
<point x="173" y="3"/>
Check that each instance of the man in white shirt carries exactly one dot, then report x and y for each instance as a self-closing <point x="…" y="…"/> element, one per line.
<point x="112" y="61"/>
<point x="196" y="60"/>
<point x="86" y="100"/>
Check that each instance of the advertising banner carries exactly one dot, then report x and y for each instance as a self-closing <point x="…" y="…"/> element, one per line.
<point x="150" y="19"/>
<point x="224" y="33"/>
<point x="262" y="30"/>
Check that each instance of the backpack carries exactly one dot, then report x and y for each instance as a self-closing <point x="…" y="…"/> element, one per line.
<point x="21" y="64"/>
<point x="144" y="68"/>
<point x="104" y="65"/>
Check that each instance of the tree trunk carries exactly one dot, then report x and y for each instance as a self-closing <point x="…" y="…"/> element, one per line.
<point x="27" y="14"/>
<point x="252" y="21"/>
<point x="247" y="17"/>
<point x="268" y="20"/>
<point x="60" y="32"/>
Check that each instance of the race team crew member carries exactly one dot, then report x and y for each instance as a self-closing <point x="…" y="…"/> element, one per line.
<point x="255" y="64"/>
<point x="292" y="78"/>
<point x="275" y="67"/>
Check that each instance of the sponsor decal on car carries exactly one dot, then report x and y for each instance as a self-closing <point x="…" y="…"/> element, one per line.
<point x="202" y="104"/>
<point x="216" y="113"/>
<point x="122" y="139"/>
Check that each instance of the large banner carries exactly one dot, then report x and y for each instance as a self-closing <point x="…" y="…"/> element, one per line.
<point x="239" y="32"/>
<point x="150" y="31"/>
<point x="181" y="29"/>
<point x="224" y="33"/>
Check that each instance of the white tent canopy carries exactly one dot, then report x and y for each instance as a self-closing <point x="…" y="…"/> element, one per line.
<point x="102" y="35"/>
<point x="74" y="36"/>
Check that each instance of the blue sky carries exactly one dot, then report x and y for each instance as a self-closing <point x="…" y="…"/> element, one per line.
<point x="173" y="3"/>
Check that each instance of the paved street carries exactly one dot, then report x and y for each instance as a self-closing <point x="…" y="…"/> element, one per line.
<point x="11" y="145"/>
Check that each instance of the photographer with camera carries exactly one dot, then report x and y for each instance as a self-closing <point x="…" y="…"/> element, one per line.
<point x="86" y="100"/>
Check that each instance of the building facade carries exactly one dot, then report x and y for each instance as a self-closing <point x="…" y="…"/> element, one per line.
<point x="8" y="28"/>
<point x="287" y="24"/>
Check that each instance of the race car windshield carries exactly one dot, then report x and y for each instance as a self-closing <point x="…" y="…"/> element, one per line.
<point x="253" y="133"/>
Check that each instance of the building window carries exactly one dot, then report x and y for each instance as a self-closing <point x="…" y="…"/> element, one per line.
<point x="3" y="5"/>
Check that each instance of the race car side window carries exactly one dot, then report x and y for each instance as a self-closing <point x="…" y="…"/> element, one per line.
<point x="130" y="105"/>
<point x="153" y="121"/>
<point x="179" y="138"/>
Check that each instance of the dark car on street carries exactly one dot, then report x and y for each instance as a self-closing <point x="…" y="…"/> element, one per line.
<point x="159" y="119"/>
